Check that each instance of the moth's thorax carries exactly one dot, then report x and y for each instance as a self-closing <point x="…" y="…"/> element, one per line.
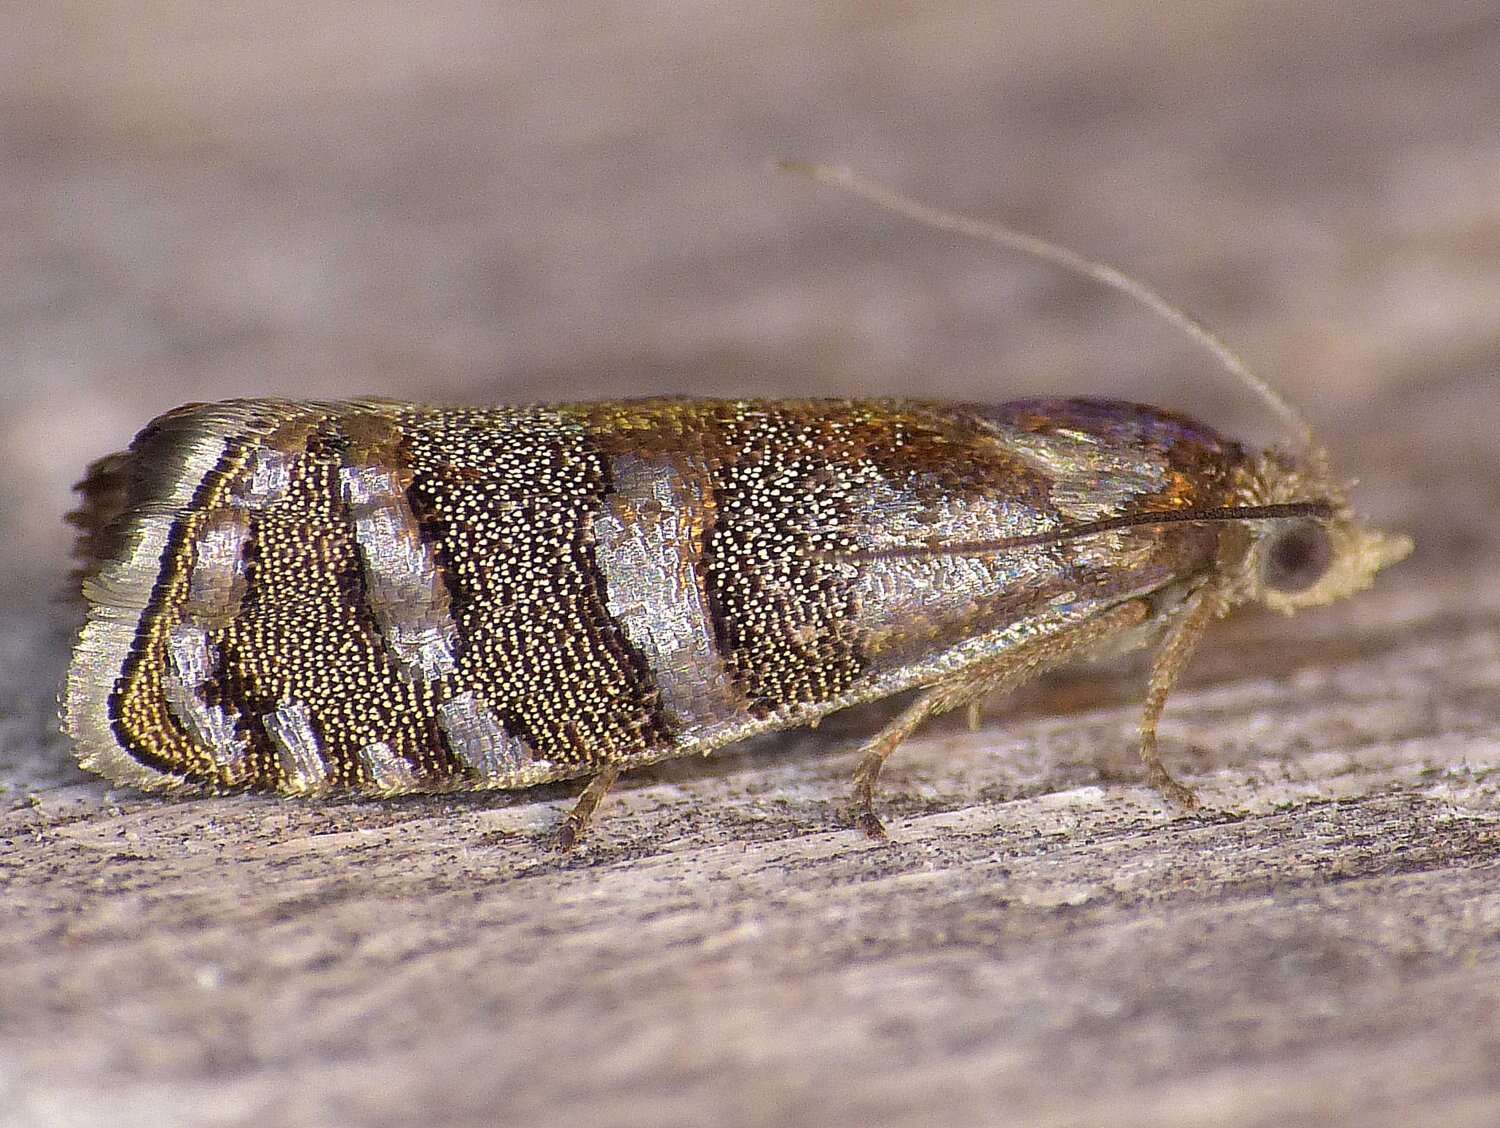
<point x="388" y="598"/>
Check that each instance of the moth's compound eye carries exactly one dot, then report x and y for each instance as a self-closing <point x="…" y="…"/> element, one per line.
<point x="1296" y="556"/>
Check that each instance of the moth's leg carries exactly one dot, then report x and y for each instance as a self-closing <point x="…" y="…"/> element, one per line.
<point x="1003" y="672"/>
<point x="877" y="751"/>
<point x="1172" y="656"/>
<point x="576" y="825"/>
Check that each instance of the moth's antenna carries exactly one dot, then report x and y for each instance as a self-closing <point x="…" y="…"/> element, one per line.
<point x="988" y="231"/>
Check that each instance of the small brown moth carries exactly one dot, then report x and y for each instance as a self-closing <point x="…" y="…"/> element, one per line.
<point x="385" y="598"/>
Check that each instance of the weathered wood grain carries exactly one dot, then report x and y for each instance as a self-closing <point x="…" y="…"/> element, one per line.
<point x="443" y="202"/>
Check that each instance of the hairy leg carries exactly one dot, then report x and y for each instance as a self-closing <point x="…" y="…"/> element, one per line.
<point x="1172" y="656"/>
<point x="576" y="825"/>
<point x="1005" y="671"/>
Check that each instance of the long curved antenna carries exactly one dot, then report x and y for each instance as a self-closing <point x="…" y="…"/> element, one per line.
<point x="840" y="176"/>
<point x="1280" y="511"/>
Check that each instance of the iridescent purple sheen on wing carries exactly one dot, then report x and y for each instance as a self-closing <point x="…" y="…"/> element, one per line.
<point x="1119" y="422"/>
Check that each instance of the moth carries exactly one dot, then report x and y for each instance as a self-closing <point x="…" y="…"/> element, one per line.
<point x="382" y="598"/>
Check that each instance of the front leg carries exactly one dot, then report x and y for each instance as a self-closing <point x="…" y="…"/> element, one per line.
<point x="1177" y="646"/>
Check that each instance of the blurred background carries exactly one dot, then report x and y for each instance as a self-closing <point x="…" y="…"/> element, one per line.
<point x="462" y="201"/>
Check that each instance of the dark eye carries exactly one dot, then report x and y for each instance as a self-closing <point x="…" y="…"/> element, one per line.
<point x="1297" y="556"/>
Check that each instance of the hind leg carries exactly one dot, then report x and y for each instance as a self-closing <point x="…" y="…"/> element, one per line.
<point x="576" y="825"/>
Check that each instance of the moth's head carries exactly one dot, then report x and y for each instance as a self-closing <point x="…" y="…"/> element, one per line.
<point x="1309" y="561"/>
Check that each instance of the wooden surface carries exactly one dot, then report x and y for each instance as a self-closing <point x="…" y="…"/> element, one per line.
<point x="570" y="200"/>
